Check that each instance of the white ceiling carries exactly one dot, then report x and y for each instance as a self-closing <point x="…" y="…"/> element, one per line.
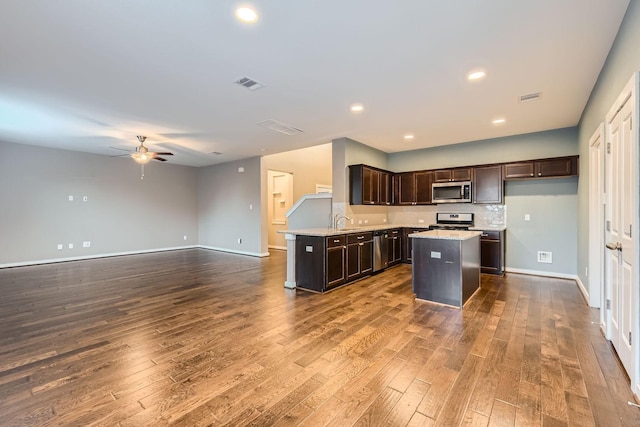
<point x="89" y="75"/>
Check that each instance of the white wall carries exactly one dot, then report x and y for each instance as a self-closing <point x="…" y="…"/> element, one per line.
<point x="122" y="213"/>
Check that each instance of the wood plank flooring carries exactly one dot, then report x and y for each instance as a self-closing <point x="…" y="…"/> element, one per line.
<point x="205" y="338"/>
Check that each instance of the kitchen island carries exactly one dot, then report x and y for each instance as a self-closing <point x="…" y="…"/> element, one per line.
<point x="446" y="265"/>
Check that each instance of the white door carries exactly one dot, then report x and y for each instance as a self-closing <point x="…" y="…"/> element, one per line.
<point x="620" y="258"/>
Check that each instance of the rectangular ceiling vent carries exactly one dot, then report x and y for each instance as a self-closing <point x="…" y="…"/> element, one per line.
<point x="249" y="83"/>
<point x="530" y="97"/>
<point x="279" y="127"/>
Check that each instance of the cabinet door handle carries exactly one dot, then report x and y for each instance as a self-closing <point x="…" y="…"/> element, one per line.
<point x="531" y="174"/>
<point x="360" y="237"/>
<point x="484" y="235"/>
<point x="539" y="173"/>
<point x="336" y="241"/>
<point x="360" y="244"/>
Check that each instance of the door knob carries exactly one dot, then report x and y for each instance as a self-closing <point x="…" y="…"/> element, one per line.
<point x="614" y="246"/>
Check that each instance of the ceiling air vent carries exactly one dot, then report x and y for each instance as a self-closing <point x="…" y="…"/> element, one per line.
<point x="279" y="127"/>
<point x="249" y="83"/>
<point x="530" y="97"/>
<point x="215" y="153"/>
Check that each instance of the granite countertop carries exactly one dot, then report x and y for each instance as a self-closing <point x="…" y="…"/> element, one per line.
<point x="446" y="234"/>
<point x="323" y="232"/>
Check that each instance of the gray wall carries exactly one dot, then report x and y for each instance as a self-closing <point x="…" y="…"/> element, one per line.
<point x="622" y="62"/>
<point x="553" y="143"/>
<point x="122" y="213"/>
<point x="230" y="205"/>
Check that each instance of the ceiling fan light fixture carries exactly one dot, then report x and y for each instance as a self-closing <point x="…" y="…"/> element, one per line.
<point x="141" y="157"/>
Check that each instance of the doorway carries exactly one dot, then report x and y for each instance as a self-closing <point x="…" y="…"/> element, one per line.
<point x="280" y="200"/>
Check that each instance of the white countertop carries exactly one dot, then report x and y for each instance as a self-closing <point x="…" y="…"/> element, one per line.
<point x="323" y="232"/>
<point x="446" y="234"/>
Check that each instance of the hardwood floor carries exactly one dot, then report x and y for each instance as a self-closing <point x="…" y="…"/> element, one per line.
<point x="197" y="338"/>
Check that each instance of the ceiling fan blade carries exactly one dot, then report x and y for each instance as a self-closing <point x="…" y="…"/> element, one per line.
<point x="121" y="149"/>
<point x="163" y="154"/>
<point x="160" y="159"/>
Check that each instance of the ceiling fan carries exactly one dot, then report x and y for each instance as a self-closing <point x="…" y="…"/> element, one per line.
<point x="142" y="154"/>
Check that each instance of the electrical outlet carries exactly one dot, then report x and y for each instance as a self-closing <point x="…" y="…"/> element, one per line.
<point x="366" y="221"/>
<point x="86" y="244"/>
<point x="85" y="198"/>
<point x="545" y="257"/>
<point x="250" y="207"/>
<point x="185" y="237"/>
<point x="384" y="219"/>
<point x="527" y="217"/>
<point x="421" y="221"/>
<point x="70" y="245"/>
<point x="239" y="241"/>
<point x="71" y="198"/>
<point x="60" y="246"/>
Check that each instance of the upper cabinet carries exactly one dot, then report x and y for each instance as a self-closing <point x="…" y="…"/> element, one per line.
<point x="373" y="186"/>
<point x="488" y="185"/>
<point x="543" y="168"/>
<point x="369" y="186"/>
<point x="414" y="188"/>
<point x="452" y="175"/>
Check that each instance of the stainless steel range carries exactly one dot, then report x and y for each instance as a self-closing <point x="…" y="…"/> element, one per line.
<point x="452" y="221"/>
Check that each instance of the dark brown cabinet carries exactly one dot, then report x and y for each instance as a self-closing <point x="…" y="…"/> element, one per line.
<point x="320" y="262"/>
<point x="414" y="188"/>
<point x="543" y="168"/>
<point x="452" y="175"/>
<point x="369" y="186"/>
<point x="359" y="255"/>
<point x="394" y="251"/>
<point x="406" y="242"/>
<point x="488" y="185"/>
<point x="492" y="252"/>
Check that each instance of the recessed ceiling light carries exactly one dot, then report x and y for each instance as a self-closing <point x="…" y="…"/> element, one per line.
<point x="357" y="108"/>
<point x="499" y="121"/>
<point x="476" y="75"/>
<point x="247" y="15"/>
<point x="409" y="137"/>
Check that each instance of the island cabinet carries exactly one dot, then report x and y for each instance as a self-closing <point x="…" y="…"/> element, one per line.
<point x="395" y="246"/>
<point x="414" y="188"/>
<point x="359" y="255"/>
<point x="320" y="262"/>
<point x="446" y="266"/>
<point x="452" y="175"/>
<point x="488" y="185"/>
<point x="492" y="252"/>
<point x="369" y="186"/>
<point x="556" y="167"/>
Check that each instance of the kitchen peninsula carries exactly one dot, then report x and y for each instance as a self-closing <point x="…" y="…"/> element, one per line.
<point x="446" y="265"/>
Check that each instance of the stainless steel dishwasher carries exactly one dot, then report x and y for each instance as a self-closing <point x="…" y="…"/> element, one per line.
<point x="380" y="250"/>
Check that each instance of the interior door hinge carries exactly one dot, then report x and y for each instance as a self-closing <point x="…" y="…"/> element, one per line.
<point x="629" y="337"/>
<point x="608" y="304"/>
<point x="608" y="148"/>
<point x="608" y="225"/>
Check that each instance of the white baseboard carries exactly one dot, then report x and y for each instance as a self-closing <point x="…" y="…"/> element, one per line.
<point x="233" y="251"/>
<point x="83" y="257"/>
<point x="583" y="290"/>
<point x="541" y="273"/>
<point x="280" y="248"/>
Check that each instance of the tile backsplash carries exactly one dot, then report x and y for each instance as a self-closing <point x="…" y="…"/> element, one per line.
<point x="484" y="215"/>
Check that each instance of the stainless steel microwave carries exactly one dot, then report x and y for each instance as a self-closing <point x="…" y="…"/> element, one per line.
<point x="451" y="192"/>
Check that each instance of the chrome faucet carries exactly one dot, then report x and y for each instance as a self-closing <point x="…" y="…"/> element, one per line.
<point x="337" y="218"/>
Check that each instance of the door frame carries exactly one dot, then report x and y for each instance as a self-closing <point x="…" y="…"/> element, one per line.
<point x="595" y="272"/>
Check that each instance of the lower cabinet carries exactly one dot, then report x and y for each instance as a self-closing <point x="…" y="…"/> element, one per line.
<point x="492" y="252"/>
<point x="359" y="255"/>
<point x="394" y="250"/>
<point x="323" y="263"/>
